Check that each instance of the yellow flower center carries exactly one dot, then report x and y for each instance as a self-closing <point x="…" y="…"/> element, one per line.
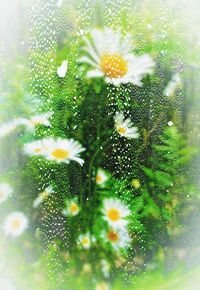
<point x="121" y="130"/>
<point x="60" y="153"/>
<point x="16" y="224"/>
<point x="37" y="150"/>
<point x="99" y="178"/>
<point x="113" y="65"/>
<point x="113" y="214"/>
<point x="73" y="208"/>
<point x="85" y="241"/>
<point x="113" y="236"/>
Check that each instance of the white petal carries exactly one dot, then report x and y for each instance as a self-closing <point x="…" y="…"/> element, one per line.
<point x="94" y="74"/>
<point x="98" y="40"/>
<point x="90" y="49"/>
<point x="88" y="60"/>
<point x="62" y="70"/>
<point x="79" y="160"/>
<point x="140" y="65"/>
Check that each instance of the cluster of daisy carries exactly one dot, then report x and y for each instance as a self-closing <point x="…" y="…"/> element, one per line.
<point x="64" y="150"/>
<point x="114" y="212"/>
<point x="30" y="124"/>
<point x="56" y="149"/>
<point x="16" y="222"/>
<point x="72" y="209"/>
<point x="110" y="55"/>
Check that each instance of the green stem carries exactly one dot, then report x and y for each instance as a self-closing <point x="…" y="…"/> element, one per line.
<point x="93" y="200"/>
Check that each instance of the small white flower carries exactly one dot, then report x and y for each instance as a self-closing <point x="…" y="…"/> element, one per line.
<point x="64" y="150"/>
<point x="42" y="119"/>
<point x="110" y="55"/>
<point x="15" y="224"/>
<point x="72" y="208"/>
<point x="115" y="212"/>
<point x="118" y="238"/>
<point x="101" y="176"/>
<point x="173" y="85"/>
<point x="42" y="196"/>
<point x="85" y="240"/>
<point x="62" y="70"/>
<point x="124" y="127"/>
<point x="56" y="149"/>
<point x="34" y="148"/>
<point x="102" y="286"/>
<point x="5" y="191"/>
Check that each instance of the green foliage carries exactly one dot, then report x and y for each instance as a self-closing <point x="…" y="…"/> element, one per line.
<point x="166" y="185"/>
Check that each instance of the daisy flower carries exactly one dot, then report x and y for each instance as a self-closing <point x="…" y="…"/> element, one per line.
<point x="42" y="196"/>
<point x="62" y="70"/>
<point x="124" y="127"/>
<point x="102" y="286"/>
<point x="173" y="85"/>
<point x="64" y="150"/>
<point x="5" y="191"/>
<point x="72" y="208"/>
<point x="115" y="212"/>
<point x="118" y="238"/>
<point x="34" y="148"/>
<point x="15" y="224"/>
<point x="110" y="54"/>
<point x="37" y="120"/>
<point x="101" y="176"/>
<point x="85" y="241"/>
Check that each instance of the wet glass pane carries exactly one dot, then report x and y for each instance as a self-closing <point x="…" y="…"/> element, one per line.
<point x="99" y="140"/>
